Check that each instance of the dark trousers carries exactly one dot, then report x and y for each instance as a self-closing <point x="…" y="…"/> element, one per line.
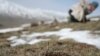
<point x="73" y="19"/>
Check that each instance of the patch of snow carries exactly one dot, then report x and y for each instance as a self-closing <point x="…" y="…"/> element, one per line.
<point x="12" y="38"/>
<point x="10" y="30"/>
<point x="79" y="36"/>
<point x="15" y="29"/>
<point x="95" y="19"/>
<point x="25" y="25"/>
<point x="16" y="42"/>
<point x="36" y="41"/>
<point x="97" y="31"/>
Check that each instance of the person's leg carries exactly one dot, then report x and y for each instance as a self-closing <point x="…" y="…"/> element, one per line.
<point x="84" y="16"/>
<point x="84" y="19"/>
<point x="72" y="18"/>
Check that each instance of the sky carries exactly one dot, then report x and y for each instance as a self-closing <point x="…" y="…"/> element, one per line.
<point x="56" y="5"/>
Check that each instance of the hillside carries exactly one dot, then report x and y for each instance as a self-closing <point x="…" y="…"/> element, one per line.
<point x="66" y="47"/>
<point x="12" y="14"/>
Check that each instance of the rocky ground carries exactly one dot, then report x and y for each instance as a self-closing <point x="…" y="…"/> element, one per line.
<point x="53" y="47"/>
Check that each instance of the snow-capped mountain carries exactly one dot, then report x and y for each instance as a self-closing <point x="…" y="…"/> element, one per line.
<point x="11" y="13"/>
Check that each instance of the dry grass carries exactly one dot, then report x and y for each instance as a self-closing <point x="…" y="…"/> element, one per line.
<point x="77" y="26"/>
<point x="53" y="47"/>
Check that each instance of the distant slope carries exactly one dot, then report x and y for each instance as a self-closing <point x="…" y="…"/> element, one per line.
<point x="13" y="14"/>
<point x="95" y="16"/>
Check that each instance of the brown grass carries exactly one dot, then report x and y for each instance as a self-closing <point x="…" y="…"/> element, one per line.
<point x="53" y="47"/>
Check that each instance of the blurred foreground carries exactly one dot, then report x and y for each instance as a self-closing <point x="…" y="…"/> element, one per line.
<point x="66" y="47"/>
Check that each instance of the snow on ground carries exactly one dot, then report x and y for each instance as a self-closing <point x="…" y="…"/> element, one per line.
<point x="79" y="36"/>
<point x="95" y="19"/>
<point x="14" y="29"/>
<point x="10" y="30"/>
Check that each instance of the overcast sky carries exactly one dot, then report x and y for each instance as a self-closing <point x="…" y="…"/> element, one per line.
<point x="56" y="5"/>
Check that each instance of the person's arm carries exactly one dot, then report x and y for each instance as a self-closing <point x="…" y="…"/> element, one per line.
<point x="84" y="2"/>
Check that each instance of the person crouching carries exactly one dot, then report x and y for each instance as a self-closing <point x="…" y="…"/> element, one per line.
<point x="79" y="12"/>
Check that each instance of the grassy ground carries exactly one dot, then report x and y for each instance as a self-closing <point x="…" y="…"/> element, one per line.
<point x="53" y="47"/>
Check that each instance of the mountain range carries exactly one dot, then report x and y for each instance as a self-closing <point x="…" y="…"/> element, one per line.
<point x="12" y="14"/>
